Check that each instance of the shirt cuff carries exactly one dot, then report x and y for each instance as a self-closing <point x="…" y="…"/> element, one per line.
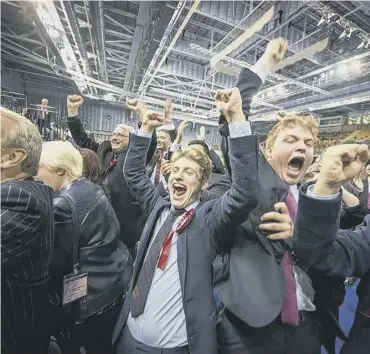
<point x="166" y="127"/>
<point x="259" y="73"/>
<point x="238" y="130"/>
<point x="311" y="194"/>
<point x="144" y="134"/>
<point x="175" y="147"/>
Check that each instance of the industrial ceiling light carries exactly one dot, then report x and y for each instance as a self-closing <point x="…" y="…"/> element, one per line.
<point x="322" y="20"/>
<point x="344" y="33"/>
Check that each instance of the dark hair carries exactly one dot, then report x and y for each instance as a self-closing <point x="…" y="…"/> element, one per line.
<point x="202" y="143"/>
<point x="91" y="165"/>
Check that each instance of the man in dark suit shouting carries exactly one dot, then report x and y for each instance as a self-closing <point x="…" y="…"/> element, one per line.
<point x="169" y="307"/>
<point x="320" y="246"/>
<point x="27" y="237"/>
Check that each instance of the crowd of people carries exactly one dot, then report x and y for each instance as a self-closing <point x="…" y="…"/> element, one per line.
<point x="136" y="245"/>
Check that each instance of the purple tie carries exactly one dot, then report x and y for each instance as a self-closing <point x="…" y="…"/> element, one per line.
<point x="368" y="201"/>
<point x="289" y="311"/>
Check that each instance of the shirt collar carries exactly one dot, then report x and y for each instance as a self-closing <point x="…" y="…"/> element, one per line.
<point x="192" y="206"/>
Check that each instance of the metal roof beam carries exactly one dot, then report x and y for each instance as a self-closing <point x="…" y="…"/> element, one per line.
<point x="120" y="12"/>
<point x="141" y="22"/>
<point x="98" y="26"/>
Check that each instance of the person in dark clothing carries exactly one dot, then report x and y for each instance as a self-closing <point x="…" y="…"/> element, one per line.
<point x="218" y="182"/>
<point x="320" y="245"/>
<point x="112" y="155"/>
<point x="27" y="239"/>
<point x="91" y="170"/>
<point x="83" y="213"/>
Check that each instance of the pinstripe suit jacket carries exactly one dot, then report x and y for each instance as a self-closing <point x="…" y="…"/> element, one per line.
<point x="27" y="238"/>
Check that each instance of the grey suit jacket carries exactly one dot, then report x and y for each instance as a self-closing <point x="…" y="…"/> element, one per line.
<point x="198" y="243"/>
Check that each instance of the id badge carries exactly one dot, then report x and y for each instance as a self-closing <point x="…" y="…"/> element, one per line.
<point x="74" y="287"/>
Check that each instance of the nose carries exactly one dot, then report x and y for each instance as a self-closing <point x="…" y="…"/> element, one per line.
<point x="301" y="146"/>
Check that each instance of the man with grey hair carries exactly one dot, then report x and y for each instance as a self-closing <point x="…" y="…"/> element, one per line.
<point x="27" y="238"/>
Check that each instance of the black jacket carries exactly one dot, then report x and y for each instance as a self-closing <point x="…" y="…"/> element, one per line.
<point x="108" y="260"/>
<point x="128" y="211"/>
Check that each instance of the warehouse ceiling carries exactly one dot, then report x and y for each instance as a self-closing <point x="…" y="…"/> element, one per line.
<point x="115" y="50"/>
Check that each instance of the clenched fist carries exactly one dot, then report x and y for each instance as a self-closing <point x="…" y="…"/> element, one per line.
<point x="229" y="103"/>
<point x="340" y="164"/>
<point x="274" y="53"/>
<point x="73" y="104"/>
<point x="138" y="107"/>
<point x="151" y="120"/>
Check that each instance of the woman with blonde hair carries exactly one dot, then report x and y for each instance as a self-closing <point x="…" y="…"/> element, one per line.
<point x="87" y="251"/>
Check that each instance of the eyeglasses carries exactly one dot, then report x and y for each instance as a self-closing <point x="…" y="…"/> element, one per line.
<point x="118" y="135"/>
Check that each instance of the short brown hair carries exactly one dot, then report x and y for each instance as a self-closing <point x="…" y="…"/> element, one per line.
<point x="198" y="157"/>
<point x="291" y="120"/>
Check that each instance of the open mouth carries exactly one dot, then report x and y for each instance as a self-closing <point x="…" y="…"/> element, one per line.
<point x="295" y="164"/>
<point x="178" y="189"/>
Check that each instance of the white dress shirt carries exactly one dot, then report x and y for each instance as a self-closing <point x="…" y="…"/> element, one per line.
<point x="303" y="281"/>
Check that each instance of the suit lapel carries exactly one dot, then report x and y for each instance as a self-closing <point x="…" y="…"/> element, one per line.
<point x="274" y="190"/>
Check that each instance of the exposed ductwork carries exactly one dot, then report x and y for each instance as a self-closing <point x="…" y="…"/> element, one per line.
<point x="98" y="27"/>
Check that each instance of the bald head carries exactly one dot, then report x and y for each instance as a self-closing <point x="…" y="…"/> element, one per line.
<point x="21" y="146"/>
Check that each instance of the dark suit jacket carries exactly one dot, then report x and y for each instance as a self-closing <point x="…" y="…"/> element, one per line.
<point x="320" y="245"/>
<point x="364" y="196"/>
<point x="198" y="243"/>
<point x="127" y="209"/>
<point x="27" y="239"/>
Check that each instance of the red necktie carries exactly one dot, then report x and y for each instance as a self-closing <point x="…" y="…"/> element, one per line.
<point x="184" y="222"/>
<point x="157" y="176"/>
<point x="289" y="311"/>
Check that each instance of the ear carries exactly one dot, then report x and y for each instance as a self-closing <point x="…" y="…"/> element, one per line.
<point x="268" y="154"/>
<point x="204" y="186"/>
<point x="60" y="172"/>
<point x="15" y="158"/>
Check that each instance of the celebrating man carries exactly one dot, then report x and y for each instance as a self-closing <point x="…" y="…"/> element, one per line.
<point x="169" y="306"/>
<point x="112" y="155"/>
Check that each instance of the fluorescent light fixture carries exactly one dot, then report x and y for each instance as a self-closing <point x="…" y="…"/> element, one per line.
<point x="322" y="20"/>
<point x="49" y="17"/>
<point x="361" y="45"/>
<point x="344" y="33"/>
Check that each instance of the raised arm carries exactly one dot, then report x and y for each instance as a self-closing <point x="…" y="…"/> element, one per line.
<point x="234" y="206"/>
<point x="249" y="83"/>
<point x="317" y="241"/>
<point x="79" y="135"/>
<point x="134" y="168"/>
